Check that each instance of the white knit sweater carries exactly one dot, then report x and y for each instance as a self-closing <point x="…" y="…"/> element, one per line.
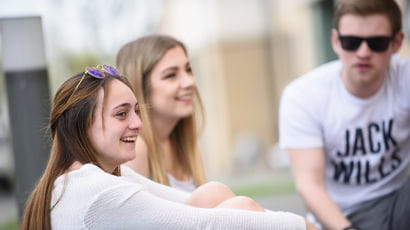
<point x="93" y="199"/>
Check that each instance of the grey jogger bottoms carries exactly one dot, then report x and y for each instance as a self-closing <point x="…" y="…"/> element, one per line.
<point x="390" y="212"/>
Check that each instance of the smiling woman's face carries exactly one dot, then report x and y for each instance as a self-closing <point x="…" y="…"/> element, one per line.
<point x="172" y="86"/>
<point x="116" y="125"/>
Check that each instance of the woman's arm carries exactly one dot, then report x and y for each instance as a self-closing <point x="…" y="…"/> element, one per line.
<point x="127" y="208"/>
<point x="155" y="188"/>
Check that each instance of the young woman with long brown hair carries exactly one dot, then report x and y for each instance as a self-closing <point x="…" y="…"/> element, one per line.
<point x="94" y="124"/>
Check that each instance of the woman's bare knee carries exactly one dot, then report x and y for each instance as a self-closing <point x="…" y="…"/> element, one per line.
<point x="241" y="202"/>
<point x="210" y="195"/>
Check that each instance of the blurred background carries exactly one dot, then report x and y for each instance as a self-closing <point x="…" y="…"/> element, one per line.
<point x="243" y="53"/>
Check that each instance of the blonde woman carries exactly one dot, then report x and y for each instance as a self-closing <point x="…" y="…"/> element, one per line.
<point x="159" y="69"/>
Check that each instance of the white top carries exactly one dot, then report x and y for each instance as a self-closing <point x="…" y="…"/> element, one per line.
<point x="187" y="186"/>
<point x="93" y="199"/>
<point x="366" y="141"/>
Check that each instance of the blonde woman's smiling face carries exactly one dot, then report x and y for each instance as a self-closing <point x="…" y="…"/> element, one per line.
<point x="173" y="86"/>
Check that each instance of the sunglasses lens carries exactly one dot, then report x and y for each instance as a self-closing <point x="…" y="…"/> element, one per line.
<point x="111" y="70"/>
<point x="98" y="72"/>
<point x="94" y="72"/>
<point x="378" y="44"/>
<point x="350" y="43"/>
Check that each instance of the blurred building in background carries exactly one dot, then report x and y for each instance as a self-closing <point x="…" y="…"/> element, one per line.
<point x="243" y="53"/>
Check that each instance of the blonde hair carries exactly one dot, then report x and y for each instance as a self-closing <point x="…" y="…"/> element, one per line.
<point x="136" y="61"/>
<point x="70" y="119"/>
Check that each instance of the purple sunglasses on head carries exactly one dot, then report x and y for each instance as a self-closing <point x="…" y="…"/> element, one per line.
<point x="99" y="72"/>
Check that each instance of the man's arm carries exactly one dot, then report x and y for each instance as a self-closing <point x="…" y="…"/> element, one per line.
<point x="308" y="167"/>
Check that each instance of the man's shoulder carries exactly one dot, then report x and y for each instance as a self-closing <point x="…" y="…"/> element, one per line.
<point x="400" y="66"/>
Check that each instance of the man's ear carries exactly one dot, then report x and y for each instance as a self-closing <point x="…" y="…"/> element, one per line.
<point x="335" y="41"/>
<point x="397" y="41"/>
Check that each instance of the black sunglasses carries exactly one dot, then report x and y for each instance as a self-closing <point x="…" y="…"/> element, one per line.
<point x="376" y="43"/>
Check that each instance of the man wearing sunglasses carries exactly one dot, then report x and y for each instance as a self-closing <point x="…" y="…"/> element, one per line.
<point x="346" y="124"/>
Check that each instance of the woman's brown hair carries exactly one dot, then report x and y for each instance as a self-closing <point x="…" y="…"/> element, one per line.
<point x="70" y="119"/>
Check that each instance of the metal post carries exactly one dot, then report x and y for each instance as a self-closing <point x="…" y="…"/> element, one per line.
<point x="28" y="97"/>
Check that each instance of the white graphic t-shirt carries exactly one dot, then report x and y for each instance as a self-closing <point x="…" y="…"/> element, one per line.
<point x="366" y="141"/>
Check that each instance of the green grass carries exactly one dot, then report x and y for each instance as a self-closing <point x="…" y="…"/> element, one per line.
<point x="11" y="225"/>
<point x="265" y="189"/>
